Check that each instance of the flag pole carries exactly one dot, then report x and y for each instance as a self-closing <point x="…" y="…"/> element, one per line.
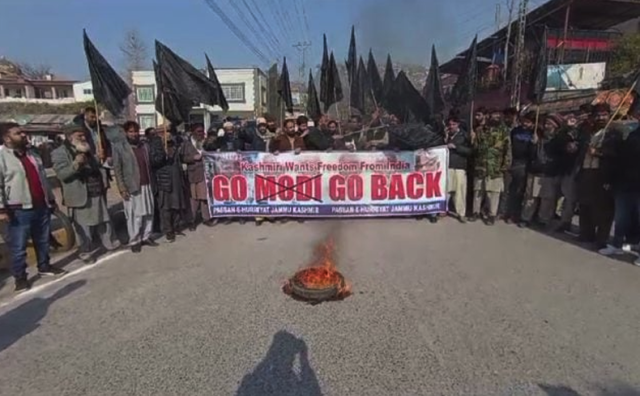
<point x="99" y="142"/>
<point x="164" y="119"/>
<point x="471" y="131"/>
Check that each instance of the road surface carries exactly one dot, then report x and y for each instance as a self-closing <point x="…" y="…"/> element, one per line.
<point x="437" y="309"/>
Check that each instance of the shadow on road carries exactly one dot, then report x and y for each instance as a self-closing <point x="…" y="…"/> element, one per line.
<point x="617" y="389"/>
<point x="275" y="374"/>
<point x="26" y="318"/>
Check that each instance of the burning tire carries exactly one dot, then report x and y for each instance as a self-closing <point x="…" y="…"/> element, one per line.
<point x="323" y="293"/>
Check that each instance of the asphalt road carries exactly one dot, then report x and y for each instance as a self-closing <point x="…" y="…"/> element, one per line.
<point x="445" y="309"/>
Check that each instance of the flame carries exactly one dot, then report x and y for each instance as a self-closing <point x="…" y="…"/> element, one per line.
<point x="322" y="273"/>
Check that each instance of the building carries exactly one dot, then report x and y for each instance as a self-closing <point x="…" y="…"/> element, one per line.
<point x="245" y="90"/>
<point x="51" y="90"/>
<point x="580" y="39"/>
<point x="83" y="91"/>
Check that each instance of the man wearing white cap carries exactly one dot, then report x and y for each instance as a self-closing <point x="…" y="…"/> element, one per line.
<point x="256" y="139"/>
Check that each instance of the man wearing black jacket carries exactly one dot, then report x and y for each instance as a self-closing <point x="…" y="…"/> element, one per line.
<point x="621" y="172"/>
<point x="459" y="143"/>
<point x="522" y="147"/>
<point x="565" y="149"/>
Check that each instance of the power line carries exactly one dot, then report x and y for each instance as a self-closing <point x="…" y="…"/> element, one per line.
<point x="268" y="33"/>
<point x="262" y="40"/>
<point x="237" y="32"/>
<point x="306" y="20"/>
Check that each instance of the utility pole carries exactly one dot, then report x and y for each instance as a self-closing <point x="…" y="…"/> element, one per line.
<point x="507" y="43"/>
<point x="303" y="47"/>
<point x="520" y="54"/>
<point x="498" y="16"/>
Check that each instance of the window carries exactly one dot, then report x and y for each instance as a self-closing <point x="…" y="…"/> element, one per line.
<point x="63" y="93"/>
<point x="145" y="94"/>
<point x="264" y="96"/>
<point x="146" y="121"/>
<point x="87" y="91"/>
<point x="234" y="92"/>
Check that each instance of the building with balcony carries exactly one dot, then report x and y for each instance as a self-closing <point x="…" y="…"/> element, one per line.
<point x="245" y="90"/>
<point x="51" y="89"/>
<point x="83" y="91"/>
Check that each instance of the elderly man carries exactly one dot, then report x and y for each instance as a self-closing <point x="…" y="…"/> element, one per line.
<point x="94" y="133"/>
<point x="133" y="176"/>
<point x="84" y="191"/>
<point x="192" y="150"/>
<point x="542" y="183"/>
<point x="166" y="167"/>
<point x="26" y="202"/>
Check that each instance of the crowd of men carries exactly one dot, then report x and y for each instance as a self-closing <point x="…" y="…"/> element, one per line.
<point x="500" y="167"/>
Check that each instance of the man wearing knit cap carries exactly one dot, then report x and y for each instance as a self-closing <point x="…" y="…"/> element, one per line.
<point x="84" y="191"/>
<point x="542" y="188"/>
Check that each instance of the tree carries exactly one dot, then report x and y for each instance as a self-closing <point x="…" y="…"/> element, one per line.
<point x="134" y="50"/>
<point x="136" y="57"/>
<point x="34" y="72"/>
<point x="626" y="55"/>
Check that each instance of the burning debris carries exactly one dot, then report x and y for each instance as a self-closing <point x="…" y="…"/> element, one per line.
<point x="321" y="281"/>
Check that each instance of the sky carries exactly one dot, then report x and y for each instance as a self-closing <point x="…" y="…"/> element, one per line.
<point x="50" y="31"/>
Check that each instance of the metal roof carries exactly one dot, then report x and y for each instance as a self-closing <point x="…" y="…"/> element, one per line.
<point x="583" y="14"/>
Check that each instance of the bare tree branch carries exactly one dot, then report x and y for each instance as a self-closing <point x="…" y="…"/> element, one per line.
<point x="134" y="50"/>
<point x="34" y="72"/>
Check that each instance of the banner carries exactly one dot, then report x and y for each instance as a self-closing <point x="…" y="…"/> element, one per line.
<point x="320" y="184"/>
<point x="579" y="76"/>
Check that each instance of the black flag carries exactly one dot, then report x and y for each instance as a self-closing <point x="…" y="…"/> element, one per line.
<point x="169" y="102"/>
<point x="272" y="89"/>
<point x="406" y="103"/>
<point x="464" y="89"/>
<point x="284" y="87"/>
<point x="389" y="79"/>
<point x="313" y="104"/>
<point x="352" y="60"/>
<point x="325" y="70"/>
<point x="192" y="83"/>
<point x="433" y="88"/>
<point x="374" y="78"/>
<point x="221" y="100"/>
<point x="538" y="83"/>
<point x="108" y="87"/>
<point x="336" y="84"/>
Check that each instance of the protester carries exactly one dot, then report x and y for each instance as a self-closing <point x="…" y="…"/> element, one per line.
<point x="522" y="149"/>
<point x="256" y="139"/>
<point x="595" y="200"/>
<point x="132" y="171"/>
<point x="565" y="149"/>
<point x="94" y="133"/>
<point x="302" y="123"/>
<point x="491" y="144"/>
<point x="288" y="141"/>
<point x="26" y="204"/>
<point x="192" y="156"/>
<point x="84" y="192"/>
<point x="542" y="190"/>
<point x="459" y="143"/>
<point x="621" y="168"/>
<point x="170" y="190"/>
<point x="510" y="116"/>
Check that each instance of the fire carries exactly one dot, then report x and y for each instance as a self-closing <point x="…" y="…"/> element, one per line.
<point x="322" y="273"/>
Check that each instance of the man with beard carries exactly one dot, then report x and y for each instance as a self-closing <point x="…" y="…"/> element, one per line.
<point x="133" y="177"/>
<point x="542" y="187"/>
<point x="94" y="134"/>
<point x="459" y="144"/>
<point x="256" y="139"/>
<point x="192" y="156"/>
<point x="566" y="152"/>
<point x="84" y="191"/>
<point x="26" y="203"/>
<point x="170" y="190"/>
<point x="288" y="141"/>
<point x="511" y="122"/>
<point x="594" y="197"/>
<point x="272" y="126"/>
<point x="522" y="147"/>
<point x="491" y="144"/>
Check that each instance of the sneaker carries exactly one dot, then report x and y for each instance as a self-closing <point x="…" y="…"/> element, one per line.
<point x="150" y="243"/>
<point x="137" y="248"/>
<point x="22" y="284"/>
<point x="562" y="228"/>
<point x="171" y="237"/>
<point x="462" y="220"/>
<point x="210" y="223"/>
<point x="491" y="221"/>
<point x="193" y="227"/>
<point x="523" y="224"/>
<point x="51" y="271"/>
<point x="433" y="219"/>
<point x="473" y="218"/>
<point x="611" y="251"/>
